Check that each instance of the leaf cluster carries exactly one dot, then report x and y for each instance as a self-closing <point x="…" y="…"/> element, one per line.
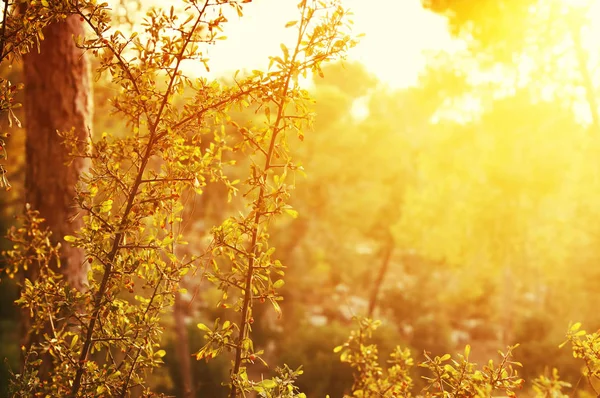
<point x="105" y="339"/>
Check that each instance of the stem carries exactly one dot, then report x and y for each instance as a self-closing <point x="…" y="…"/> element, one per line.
<point x="259" y="201"/>
<point x="139" y="351"/>
<point x="131" y="197"/>
<point x="109" y="263"/>
<point x="3" y="33"/>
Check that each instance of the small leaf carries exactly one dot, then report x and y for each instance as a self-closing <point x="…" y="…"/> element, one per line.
<point x="338" y="348"/>
<point x="575" y="327"/>
<point x="160" y="353"/>
<point x="291" y="212"/>
<point x="279" y="283"/>
<point x="69" y="238"/>
<point x="277" y="308"/>
<point x="202" y="326"/>
<point x="74" y="340"/>
<point x="286" y="52"/>
<point x="268" y="383"/>
<point x="290" y="24"/>
<point x="106" y="206"/>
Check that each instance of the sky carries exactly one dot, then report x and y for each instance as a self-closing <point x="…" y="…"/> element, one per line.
<point x="397" y="32"/>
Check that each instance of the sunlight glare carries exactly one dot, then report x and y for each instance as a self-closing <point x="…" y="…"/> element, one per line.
<point x="396" y="35"/>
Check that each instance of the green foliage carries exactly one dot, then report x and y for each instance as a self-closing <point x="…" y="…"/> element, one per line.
<point x="370" y="380"/>
<point x="450" y="200"/>
<point x="489" y="21"/>
<point x="461" y="378"/>
<point x="449" y="377"/>
<point x="458" y="377"/>
<point x="550" y="387"/>
<point x="585" y="346"/>
<point x="47" y="299"/>
<point x="105" y="340"/>
<point x="282" y="385"/>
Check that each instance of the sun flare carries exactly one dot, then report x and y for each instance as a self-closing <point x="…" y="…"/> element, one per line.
<point x="396" y="35"/>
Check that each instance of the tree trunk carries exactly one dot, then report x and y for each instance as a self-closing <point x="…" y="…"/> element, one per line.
<point x="386" y="256"/>
<point x="183" y="347"/>
<point x="58" y="97"/>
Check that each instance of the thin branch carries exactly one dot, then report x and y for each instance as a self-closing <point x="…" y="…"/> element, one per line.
<point x="3" y="33"/>
<point x="247" y="303"/>
<point x="119" y="236"/>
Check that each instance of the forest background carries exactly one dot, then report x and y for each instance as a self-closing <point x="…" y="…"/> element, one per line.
<point x="461" y="208"/>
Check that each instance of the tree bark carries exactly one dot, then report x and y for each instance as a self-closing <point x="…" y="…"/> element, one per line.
<point x="58" y="97"/>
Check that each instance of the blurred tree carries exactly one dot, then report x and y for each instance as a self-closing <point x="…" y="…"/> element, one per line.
<point x="481" y="207"/>
<point x="540" y="40"/>
<point x="501" y="23"/>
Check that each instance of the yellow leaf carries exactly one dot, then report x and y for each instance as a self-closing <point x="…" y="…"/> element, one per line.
<point x="291" y="212"/>
<point x="203" y="327"/>
<point x="106" y="206"/>
<point x="69" y="238"/>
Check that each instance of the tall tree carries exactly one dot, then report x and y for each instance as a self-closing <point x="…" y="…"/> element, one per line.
<point x="57" y="98"/>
